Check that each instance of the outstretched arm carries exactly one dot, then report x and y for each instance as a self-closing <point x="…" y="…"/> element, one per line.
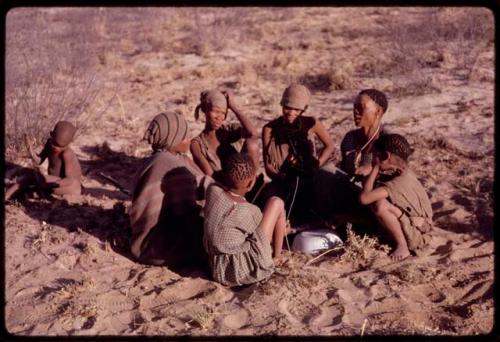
<point x="326" y="139"/>
<point x="248" y="129"/>
<point x="369" y="194"/>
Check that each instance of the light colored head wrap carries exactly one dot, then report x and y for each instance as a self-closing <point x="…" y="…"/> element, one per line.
<point x="63" y="133"/>
<point x="166" y="130"/>
<point x="296" y="96"/>
<point x="211" y="98"/>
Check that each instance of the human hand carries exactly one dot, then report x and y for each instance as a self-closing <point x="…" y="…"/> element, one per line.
<point x="231" y="103"/>
<point x="363" y="170"/>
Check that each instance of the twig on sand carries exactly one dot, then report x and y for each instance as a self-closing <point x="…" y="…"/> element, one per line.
<point x="115" y="183"/>
<point x="363" y="327"/>
<point x="319" y="256"/>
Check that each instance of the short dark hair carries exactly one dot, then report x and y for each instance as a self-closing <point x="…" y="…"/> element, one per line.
<point x="377" y="96"/>
<point x="238" y="167"/>
<point x="394" y="143"/>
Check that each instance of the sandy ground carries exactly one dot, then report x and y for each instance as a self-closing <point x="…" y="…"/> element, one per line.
<point x="67" y="271"/>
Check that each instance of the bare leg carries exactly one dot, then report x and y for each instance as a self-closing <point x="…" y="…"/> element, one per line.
<point x="12" y="190"/>
<point x="274" y="223"/>
<point x="388" y="215"/>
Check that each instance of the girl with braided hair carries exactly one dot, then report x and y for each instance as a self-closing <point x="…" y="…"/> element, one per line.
<point x="237" y="234"/>
<point x="397" y="198"/>
<point x="165" y="212"/>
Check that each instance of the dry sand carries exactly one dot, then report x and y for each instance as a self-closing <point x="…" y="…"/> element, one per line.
<point x="67" y="271"/>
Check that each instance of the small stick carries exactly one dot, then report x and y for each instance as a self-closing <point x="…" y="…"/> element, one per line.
<point x="115" y="183"/>
<point x="363" y="327"/>
<point x="319" y="256"/>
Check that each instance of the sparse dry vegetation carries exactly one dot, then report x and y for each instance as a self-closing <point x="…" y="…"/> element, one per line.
<point x="110" y="70"/>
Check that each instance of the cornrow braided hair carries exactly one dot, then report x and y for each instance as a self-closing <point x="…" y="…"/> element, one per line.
<point x="238" y="167"/>
<point x="394" y="143"/>
<point x="377" y="96"/>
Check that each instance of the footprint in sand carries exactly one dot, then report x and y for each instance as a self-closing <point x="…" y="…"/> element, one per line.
<point x="328" y="316"/>
<point x="283" y="308"/>
<point x="237" y="319"/>
<point x="433" y="294"/>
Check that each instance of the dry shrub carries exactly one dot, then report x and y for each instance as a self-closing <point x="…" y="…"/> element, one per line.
<point x="362" y="250"/>
<point x="438" y="37"/>
<point x="211" y="29"/>
<point x="51" y="73"/>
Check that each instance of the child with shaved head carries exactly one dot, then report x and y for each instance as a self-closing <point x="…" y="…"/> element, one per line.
<point x="237" y="234"/>
<point x="398" y="199"/>
<point x="64" y="171"/>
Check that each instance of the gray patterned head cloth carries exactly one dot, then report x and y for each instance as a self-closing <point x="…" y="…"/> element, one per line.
<point x="63" y="133"/>
<point x="296" y="96"/>
<point x="211" y="98"/>
<point x="166" y="130"/>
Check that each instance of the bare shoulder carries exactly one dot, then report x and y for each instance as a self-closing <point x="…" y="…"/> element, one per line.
<point x="68" y="153"/>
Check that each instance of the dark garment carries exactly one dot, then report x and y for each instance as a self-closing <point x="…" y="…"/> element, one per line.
<point x="336" y="199"/>
<point x="164" y="215"/>
<point x="350" y="149"/>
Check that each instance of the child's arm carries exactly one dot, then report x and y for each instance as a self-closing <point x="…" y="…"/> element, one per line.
<point x="326" y="139"/>
<point x="248" y="129"/>
<point x="369" y="194"/>
<point x="200" y="159"/>
<point x="271" y="171"/>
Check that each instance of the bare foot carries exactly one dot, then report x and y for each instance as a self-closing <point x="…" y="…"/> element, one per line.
<point x="400" y="253"/>
<point x="280" y="260"/>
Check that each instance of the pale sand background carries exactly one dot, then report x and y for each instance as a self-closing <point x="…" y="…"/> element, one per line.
<point x="65" y="271"/>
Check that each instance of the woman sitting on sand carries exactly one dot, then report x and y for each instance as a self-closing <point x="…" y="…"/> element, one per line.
<point x="218" y="139"/>
<point x="336" y="193"/>
<point x="164" y="215"/>
<point x="290" y="157"/>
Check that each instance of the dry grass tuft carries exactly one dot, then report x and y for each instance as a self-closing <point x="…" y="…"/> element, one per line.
<point x="362" y="250"/>
<point x="202" y="317"/>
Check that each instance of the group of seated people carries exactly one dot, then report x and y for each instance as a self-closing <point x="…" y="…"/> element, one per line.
<point x="220" y="209"/>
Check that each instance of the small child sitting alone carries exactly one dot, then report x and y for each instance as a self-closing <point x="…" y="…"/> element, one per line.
<point x="399" y="200"/>
<point x="64" y="171"/>
<point x="237" y="234"/>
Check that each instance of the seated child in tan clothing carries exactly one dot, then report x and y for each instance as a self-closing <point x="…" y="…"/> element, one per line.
<point x="289" y="147"/>
<point x="399" y="200"/>
<point x="237" y="234"/>
<point x="64" y="171"/>
<point x="218" y="139"/>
